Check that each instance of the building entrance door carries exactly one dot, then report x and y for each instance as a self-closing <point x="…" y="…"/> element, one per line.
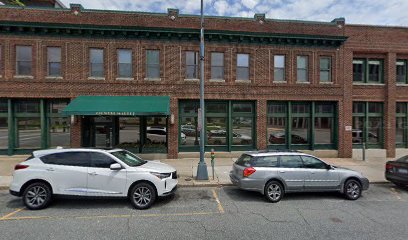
<point x="99" y="132"/>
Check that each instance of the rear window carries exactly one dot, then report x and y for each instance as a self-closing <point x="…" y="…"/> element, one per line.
<point x="267" y="161"/>
<point x="244" y="160"/>
<point x="403" y="159"/>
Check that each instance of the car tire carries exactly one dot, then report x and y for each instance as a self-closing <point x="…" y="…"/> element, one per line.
<point x="400" y="185"/>
<point x="352" y="189"/>
<point x="37" y="196"/>
<point x="142" y="195"/>
<point x="274" y="191"/>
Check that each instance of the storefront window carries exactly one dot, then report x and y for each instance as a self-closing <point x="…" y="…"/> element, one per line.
<point x="59" y="126"/>
<point x="156" y="135"/>
<point x="367" y="123"/>
<point x="129" y="133"/>
<point x="401" y="137"/>
<point x="306" y="129"/>
<point x="3" y="133"/>
<point x="28" y="132"/>
<point x="242" y="123"/>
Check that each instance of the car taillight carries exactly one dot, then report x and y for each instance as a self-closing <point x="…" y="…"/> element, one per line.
<point x="249" y="171"/>
<point x="389" y="167"/>
<point x="20" y="166"/>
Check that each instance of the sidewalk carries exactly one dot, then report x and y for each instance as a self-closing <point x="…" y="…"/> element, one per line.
<point x="373" y="169"/>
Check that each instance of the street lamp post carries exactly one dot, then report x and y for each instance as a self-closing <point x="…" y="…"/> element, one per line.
<point x="202" y="172"/>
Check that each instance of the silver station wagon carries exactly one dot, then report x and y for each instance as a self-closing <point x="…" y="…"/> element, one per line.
<point x="274" y="173"/>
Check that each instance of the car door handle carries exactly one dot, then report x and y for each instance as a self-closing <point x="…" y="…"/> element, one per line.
<point x="93" y="173"/>
<point x="50" y="169"/>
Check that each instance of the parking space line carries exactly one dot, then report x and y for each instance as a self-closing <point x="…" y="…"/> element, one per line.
<point x="220" y="208"/>
<point x="11" y="214"/>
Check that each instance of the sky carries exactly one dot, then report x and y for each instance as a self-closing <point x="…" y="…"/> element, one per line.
<point x="373" y="12"/>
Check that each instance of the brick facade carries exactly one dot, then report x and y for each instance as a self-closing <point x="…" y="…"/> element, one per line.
<point x="387" y="43"/>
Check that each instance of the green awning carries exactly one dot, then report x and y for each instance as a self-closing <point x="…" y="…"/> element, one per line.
<point x="119" y="106"/>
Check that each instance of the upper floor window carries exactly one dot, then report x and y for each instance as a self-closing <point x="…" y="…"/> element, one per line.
<point x="191" y="65"/>
<point x="302" y="65"/>
<point x="96" y="62"/>
<point x="124" y="63"/>
<point x="402" y="71"/>
<point x="279" y="68"/>
<point x="153" y="64"/>
<point x="242" y="66"/>
<point x="217" y="65"/>
<point x="368" y="70"/>
<point x="325" y="69"/>
<point x="24" y="60"/>
<point x="54" y="61"/>
<point x="1" y="59"/>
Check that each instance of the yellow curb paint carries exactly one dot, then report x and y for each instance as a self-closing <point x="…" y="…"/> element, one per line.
<point x="11" y="214"/>
<point x="220" y="208"/>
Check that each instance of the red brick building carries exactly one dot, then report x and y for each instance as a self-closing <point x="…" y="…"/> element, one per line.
<point x="327" y="87"/>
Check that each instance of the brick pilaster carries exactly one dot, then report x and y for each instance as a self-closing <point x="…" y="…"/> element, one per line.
<point x="390" y="103"/>
<point x="261" y="130"/>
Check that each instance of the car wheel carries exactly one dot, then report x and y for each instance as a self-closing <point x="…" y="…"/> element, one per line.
<point x="400" y="185"/>
<point x="352" y="189"/>
<point x="274" y="191"/>
<point x="142" y="196"/>
<point x="37" y="196"/>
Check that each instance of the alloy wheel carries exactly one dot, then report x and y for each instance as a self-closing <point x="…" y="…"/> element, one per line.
<point x="274" y="192"/>
<point x="353" y="190"/>
<point x="142" y="196"/>
<point x="36" y="196"/>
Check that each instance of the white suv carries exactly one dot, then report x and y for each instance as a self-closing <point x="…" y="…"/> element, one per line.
<point x="91" y="173"/>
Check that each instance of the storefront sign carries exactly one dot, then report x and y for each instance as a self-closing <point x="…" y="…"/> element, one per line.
<point x="116" y="113"/>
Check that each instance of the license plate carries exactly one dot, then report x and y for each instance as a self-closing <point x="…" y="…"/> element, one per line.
<point x="402" y="170"/>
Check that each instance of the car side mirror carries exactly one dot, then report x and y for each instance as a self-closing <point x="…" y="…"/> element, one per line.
<point x="329" y="167"/>
<point x="115" y="167"/>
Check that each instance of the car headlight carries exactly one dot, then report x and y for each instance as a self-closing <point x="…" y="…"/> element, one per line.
<point x="161" y="175"/>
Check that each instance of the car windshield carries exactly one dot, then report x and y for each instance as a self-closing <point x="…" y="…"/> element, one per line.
<point x="129" y="158"/>
<point x="403" y="159"/>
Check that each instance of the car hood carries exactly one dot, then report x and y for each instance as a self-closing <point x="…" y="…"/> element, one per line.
<point x="347" y="170"/>
<point x="156" y="166"/>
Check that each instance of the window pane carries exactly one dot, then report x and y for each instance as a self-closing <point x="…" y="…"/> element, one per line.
<point x="125" y="56"/>
<point x="3" y="106"/>
<point x="374" y="71"/>
<point x="276" y="108"/>
<point x="96" y="55"/>
<point x="358" y="70"/>
<point x="242" y="131"/>
<point x="358" y="107"/>
<point x="276" y="130"/>
<point x="375" y="108"/>
<point x="129" y="133"/>
<point x="216" y="130"/>
<point x="189" y="134"/>
<point x="54" y="54"/>
<point x="325" y="76"/>
<point x="325" y="69"/>
<point x="156" y="135"/>
<point x="401" y="107"/>
<point x="217" y="59"/>
<point x="242" y="107"/>
<point x="401" y="72"/>
<point x="279" y="61"/>
<point x="29" y="133"/>
<point x="24" y="53"/>
<point x="301" y="62"/>
<point x="279" y="74"/>
<point x="54" y="69"/>
<point x="217" y="72"/>
<point x="125" y="70"/>
<point x="324" y="63"/>
<point x="324" y="108"/>
<point x="323" y="130"/>
<point x="191" y="58"/>
<point x="191" y="65"/>
<point x="97" y="70"/>
<point x="24" y="68"/>
<point x="28" y="107"/>
<point x="302" y="75"/>
<point x="374" y="129"/>
<point x="3" y="133"/>
<point x="400" y="129"/>
<point x="192" y="72"/>
<point x="153" y="57"/>
<point x="358" y="129"/>
<point x="216" y="107"/>
<point x="300" y="108"/>
<point x="153" y="71"/>
<point x="242" y="60"/>
<point x="300" y="128"/>
<point x="291" y="162"/>
<point x="59" y="131"/>
<point x="242" y="73"/>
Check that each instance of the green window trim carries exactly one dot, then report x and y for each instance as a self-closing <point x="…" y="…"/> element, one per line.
<point x="403" y="115"/>
<point x="289" y="115"/>
<point x="365" y="133"/>
<point x="366" y="70"/>
<point x="404" y="63"/>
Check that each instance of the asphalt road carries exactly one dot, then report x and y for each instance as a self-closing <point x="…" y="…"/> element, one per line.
<point x="215" y="213"/>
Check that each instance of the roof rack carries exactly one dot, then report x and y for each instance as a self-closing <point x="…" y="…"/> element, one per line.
<point x="276" y="150"/>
